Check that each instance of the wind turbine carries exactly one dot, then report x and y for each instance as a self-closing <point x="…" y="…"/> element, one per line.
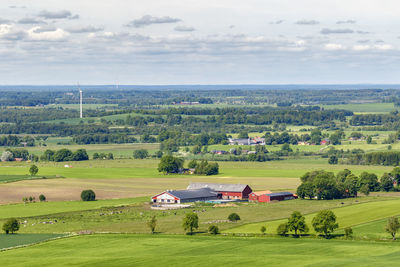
<point x="80" y="102"/>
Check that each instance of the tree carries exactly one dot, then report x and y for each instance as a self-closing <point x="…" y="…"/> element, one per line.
<point x="11" y="226"/>
<point x="392" y="226"/>
<point x="369" y="139"/>
<point x="192" y="164"/>
<point x="369" y="179"/>
<point x="170" y="164"/>
<point x="88" y="195"/>
<point x="306" y="190"/>
<point x="333" y="160"/>
<point x="325" y="222"/>
<point x="395" y="173"/>
<point x="243" y="135"/>
<point x="79" y="155"/>
<point x="348" y="232"/>
<point x="213" y="229"/>
<point x="386" y="182"/>
<point x="96" y="155"/>
<point x="282" y="229"/>
<point x="297" y="223"/>
<point x="140" y="154"/>
<point x="7" y="156"/>
<point x="263" y="229"/>
<point x="365" y="189"/>
<point x="152" y="224"/>
<point x="190" y="222"/>
<point x="42" y="198"/>
<point x="233" y="217"/>
<point x="62" y="155"/>
<point x="33" y="170"/>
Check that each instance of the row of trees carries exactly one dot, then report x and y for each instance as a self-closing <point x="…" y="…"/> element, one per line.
<point x="327" y="185"/>
<point x="170" y="164"/>
<point x="64" y="155"/>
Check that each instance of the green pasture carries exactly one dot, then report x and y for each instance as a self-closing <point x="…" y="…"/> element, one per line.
<point x="132" y="214"/>
<point x="15" y="240"/>
<point x="365" y="107"/>
<point x="130" y="168"/>
<point x="44" y="208"/>
<point x="150" y="250"/>
<point x="118" y="150"/>
<point x="85" y="106"/>
<point x="349" y="216"/>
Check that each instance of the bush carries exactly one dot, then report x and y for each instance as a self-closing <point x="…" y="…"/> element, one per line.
<point x="140" y="154"/>
<point x="11" y="226"/>
<point x="213" y="229"/>
<point x="233" y="217"/>
<point x="282" y="229"/>
<point x="42" y="198"/>
<point x="263" y="229"/>
<point x="348" y="232"/>
<point x="88" y="195"/>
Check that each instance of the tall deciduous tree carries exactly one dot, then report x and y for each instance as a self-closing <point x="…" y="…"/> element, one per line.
<point x="170" y="164"/>
<point x="297" y="223"/>
<point x="11" y="226"/>
<point x="33" y="170"/>
<point x="190" y="222"/>
<point x="392" y="226"/>
<point x="325" y="222"/>
<point x="152" y="224"/>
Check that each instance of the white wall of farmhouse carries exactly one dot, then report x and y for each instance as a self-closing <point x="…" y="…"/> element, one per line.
<point x="166" y="198"/>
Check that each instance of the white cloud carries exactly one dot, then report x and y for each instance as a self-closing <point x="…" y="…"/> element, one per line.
<point x="333" y="47"/>
<point x="149" y="20"/>
<point x="361" y="47"/>
<point x="383" y="47"/>
<point x="41" y="34"/>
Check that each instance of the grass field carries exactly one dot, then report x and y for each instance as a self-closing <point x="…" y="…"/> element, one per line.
<point x="349" y="216"/>
<point x="14" y="240"/>
<point x="15" y="178"/>
<point x="44" y="208"/>
<point x="151" y="250"/>
<point x="365" y="108"/>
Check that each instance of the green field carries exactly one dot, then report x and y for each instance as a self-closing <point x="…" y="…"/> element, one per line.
<point x="365" y="108"/>
<point x="349" y="216"/>
<point x="43" y="208"/>
<point x="15" y="240"/>
<point x="15" y="178"/>
<point x="151" y="250"/>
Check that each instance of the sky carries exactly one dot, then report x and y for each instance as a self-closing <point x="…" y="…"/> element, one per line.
<point x="199" y="42"/>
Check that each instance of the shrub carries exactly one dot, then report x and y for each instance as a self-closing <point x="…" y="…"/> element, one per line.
<point x="263" y="229"/>
<point x="233" y="217"/>
<point x="140" y="154"/>
<point x="213" y="229"/>
<point x="88" y="195"/>
<point x="42" y="198"/>
<point x="282" y="229"/>
<point x="152" y="224"/>
<point x="348" y="232"/>
<point x="11" y="226"/>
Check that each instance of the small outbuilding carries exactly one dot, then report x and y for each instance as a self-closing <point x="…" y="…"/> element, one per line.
<point x="255" y="195"/>
<point x="276" y="197"/>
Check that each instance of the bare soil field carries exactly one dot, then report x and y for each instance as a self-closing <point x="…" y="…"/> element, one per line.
<point x="70" y="189"/>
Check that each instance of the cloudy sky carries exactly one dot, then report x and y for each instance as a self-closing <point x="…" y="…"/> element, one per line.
<point x="199" y="42"/>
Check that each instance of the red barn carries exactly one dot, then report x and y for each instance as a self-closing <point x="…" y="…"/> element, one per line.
<point x="255" y="195"/>
<point x="225" y="191"/>
<point x="276" y="197"/>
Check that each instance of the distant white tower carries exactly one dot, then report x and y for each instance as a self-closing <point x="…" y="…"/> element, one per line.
<point x="80" y="104"/>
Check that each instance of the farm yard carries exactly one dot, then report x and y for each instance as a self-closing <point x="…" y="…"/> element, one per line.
<point x="118" y="152"/>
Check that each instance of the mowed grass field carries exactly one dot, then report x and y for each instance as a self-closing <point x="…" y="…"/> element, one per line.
<point x="365" y="108"/>
<point x="348" y="216"/>
<point x="151" y="250"/>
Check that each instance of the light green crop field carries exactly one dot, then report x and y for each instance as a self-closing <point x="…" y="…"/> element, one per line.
<point x="14" y="240"/>
<point x="150" y="250"/>
<point x="44" y="208"/>
<point x="15" y="178"/>
<point x="85" y="106"/>
<point x="365" y="108"/>
<point x="346" y="217"/>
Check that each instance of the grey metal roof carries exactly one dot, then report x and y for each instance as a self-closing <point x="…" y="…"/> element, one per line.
<point x="219" y="187"/>
<point x="193" y="193"/>
<point x="280" y="194"/>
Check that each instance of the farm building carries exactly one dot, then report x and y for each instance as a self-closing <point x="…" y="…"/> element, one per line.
<point x="255" y="195"/>
<point x="182" y="196"/>
<point x="225" y="191"/>
<point x="274" y="197"/>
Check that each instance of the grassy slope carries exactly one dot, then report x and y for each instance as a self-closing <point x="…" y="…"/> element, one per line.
<point x="43" y="208"/>
<point x="346" y="216"/>
<point x="147" y="250"/>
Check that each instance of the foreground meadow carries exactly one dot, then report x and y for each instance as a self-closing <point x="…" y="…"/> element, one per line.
<point x="151" y="250"/>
